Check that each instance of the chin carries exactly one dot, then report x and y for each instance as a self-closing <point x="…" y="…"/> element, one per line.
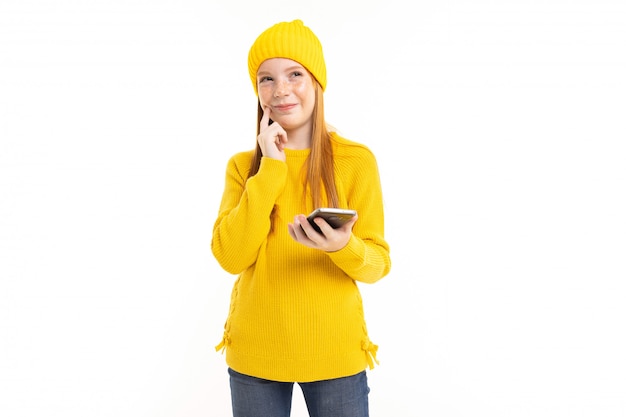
<point x="290" y="122"/>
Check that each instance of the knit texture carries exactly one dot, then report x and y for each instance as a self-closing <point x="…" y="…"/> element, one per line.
<point x="290" y="40"/>
<point x="296" y="313"/>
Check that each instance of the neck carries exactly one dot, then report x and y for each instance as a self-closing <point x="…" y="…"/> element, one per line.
<point x="299" y="138"/>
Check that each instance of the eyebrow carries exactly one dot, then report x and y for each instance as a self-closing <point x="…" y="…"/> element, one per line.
<point x="293" y="67"/>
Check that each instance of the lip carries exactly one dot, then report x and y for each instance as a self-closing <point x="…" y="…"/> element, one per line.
<point x="284" y="107"/>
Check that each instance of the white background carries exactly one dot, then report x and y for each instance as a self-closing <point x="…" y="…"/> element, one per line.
<point x="499" y="127"/>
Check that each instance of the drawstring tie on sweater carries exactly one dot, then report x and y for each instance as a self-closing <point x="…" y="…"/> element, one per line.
<point x="223" y="344"/>
<point x="370" y="351"/>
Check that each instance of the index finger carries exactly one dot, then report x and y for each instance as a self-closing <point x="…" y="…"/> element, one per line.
<point x="265" y="119"/>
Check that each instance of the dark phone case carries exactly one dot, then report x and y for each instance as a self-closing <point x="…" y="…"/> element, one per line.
<point x="335" y="220"/>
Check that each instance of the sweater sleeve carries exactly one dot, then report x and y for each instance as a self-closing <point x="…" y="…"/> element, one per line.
<point x="243" y="220"/>
<point x="366" y="257"/>
<point x="363" y="260"/>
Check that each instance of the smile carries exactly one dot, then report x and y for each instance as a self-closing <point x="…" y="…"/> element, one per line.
<point x="285" y="107"/>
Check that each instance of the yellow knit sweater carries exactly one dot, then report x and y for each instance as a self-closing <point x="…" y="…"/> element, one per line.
<point x="296" y="313"/>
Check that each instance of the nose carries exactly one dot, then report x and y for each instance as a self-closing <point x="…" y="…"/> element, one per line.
<point x="281" y="88"/>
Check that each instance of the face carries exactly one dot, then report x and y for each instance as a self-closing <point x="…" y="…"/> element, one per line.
<point x="286" y="87"/>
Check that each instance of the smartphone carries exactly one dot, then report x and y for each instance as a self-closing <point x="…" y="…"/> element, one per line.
<point x="336" y="217"/>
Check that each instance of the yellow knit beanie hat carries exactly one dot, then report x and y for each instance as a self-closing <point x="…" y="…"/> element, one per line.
<point x="290" y="40"/>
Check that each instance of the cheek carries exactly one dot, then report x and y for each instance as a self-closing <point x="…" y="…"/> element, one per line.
<point x="305" y="91"/>
<point x="303" y="87"/>
<point x="265" y="96"/>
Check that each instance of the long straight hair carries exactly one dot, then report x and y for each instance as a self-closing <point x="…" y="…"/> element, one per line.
<point x="320" y="172"/>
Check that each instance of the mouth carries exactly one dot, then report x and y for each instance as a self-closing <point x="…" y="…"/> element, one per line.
<point x="284" y="107"/>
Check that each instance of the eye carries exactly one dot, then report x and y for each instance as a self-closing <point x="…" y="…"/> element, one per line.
<point x="296" y="74"/>
<point x="265" y="78"/>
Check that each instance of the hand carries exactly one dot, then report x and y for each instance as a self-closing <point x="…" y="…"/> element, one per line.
<point x="330" y="240"/>
<point x="272" y="137"/>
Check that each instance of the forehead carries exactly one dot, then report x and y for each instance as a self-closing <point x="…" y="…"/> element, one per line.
<point x="278" y="64"/>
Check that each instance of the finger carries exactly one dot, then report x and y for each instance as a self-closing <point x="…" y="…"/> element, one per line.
<point x="281" y="140"/>
<point x="307" y="228"/>
<point x="296" y="231"/>
<point x="323" y="225"/>
<point x="292" y="232"/>
<point x="265" y="119"/>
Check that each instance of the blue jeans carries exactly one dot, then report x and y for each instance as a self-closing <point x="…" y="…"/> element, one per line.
<point x="341" y="397"/>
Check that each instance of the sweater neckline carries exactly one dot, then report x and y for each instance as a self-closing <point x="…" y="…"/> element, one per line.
<point x="297" y="153"/>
